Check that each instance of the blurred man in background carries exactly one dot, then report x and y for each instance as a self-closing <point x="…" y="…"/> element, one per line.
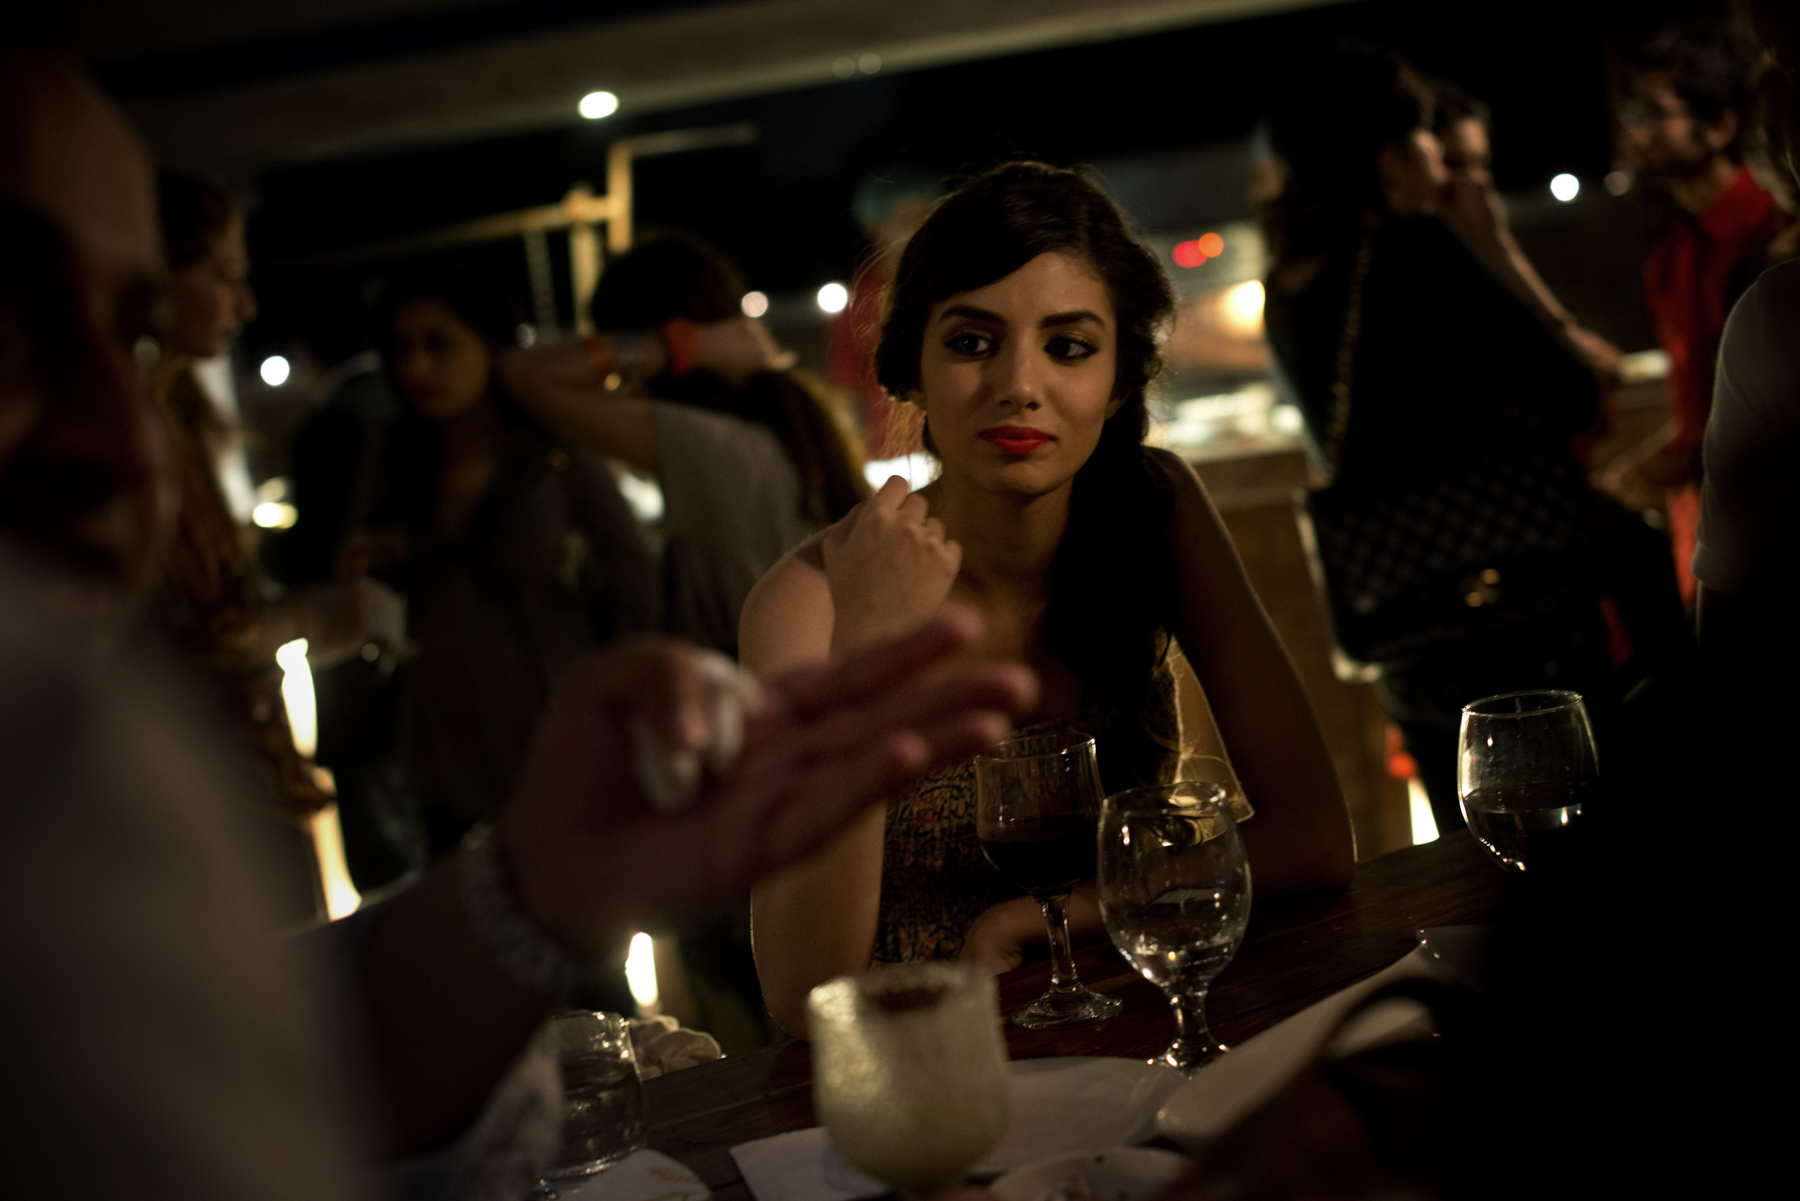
<point x="1681" y="120"/>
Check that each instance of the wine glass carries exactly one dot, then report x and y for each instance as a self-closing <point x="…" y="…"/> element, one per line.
<point x="909" y="1071"/>
<point x="1038" y="803"/>
<point x="1525" y="766"/>
<point x="1175" y="894"/>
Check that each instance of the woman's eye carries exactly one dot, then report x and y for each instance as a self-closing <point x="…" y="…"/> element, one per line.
<point x="970" y="344"/>
<point x="1070" y="350"/>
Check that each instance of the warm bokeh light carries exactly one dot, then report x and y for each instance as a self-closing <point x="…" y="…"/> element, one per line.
<point x="596" y="105"/>
<point x="1211" y="245"/>
<point x="1189" y="254"/>
<point x="1565" y="187"/>
<point x="1241" y="309"/>
<point x="274" y="515"/>
<point x="833" y="297"/>
<point x="297" y="695"/>
<point x="640" y="973"/>
<point x="754" y="304"/>
<point x="275" y="371"/>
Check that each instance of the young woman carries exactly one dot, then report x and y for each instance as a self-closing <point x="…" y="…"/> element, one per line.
<point x="516" y="551"/>
<point x="1428" y="363"/>
<point x="1024" y="322"/>
<point x="211" y="596"/>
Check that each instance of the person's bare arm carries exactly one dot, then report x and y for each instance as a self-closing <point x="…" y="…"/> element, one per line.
<point x="560" y="386"/>
<point x="590" y="862"/>
<point x="817" y="919"/>
<point x="1477" y="214"/>
<point x="1300" y="839"/>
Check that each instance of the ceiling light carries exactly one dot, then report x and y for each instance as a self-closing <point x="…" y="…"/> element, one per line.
<point x="596" y="105"/>
<point x="833" y="297"/>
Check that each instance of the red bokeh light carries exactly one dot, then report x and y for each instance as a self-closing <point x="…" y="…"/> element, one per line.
<point x="1211" y="245"/>
<point x="1189" y="254"/>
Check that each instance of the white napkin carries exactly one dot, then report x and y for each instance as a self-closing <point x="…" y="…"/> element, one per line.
<point x="1237" y="1082"/>
<point x="802" y="1165"/>
<point x="641" y="1176"/>
<point x="1059" y="1106"/>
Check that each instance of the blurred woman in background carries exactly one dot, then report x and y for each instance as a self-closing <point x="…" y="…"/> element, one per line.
<point x="516" y="551"/>
<point x="212" y="596"/>
<point x="1464" y="552"/>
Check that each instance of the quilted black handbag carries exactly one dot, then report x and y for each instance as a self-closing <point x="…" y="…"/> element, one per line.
<point x="1418" y="562"/>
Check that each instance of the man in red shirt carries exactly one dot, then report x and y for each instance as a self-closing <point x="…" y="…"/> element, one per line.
<point x="1688" y="88"/>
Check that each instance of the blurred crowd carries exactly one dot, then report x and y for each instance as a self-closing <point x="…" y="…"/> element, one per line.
<point x="471" y="527"/>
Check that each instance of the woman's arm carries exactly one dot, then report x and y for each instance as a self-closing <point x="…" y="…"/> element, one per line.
<point x="1299" y="840"/>
<point x="816" y="919"/>
<point x="885" y="567"/>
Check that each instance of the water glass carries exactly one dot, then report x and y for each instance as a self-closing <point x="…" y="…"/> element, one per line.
<point x="1525" y="767"/>
<point x="1175" y="895"/>
<point x="604" y="1121"/>
<point x="909" y="1071"/>
<point x="1038" y="804"/>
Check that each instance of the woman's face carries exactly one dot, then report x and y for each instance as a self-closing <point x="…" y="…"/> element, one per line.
<point x="442" y="366"/>
<point x="1017" y="377"/>
<point x="212" y="298"/>
<point x="1412" y="174"/>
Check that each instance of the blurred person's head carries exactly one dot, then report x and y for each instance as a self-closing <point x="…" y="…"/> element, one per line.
<point x="209" y="268"/>
<point x="440" y="330"/>
<point x="1353" y="141"/>
<point x="675" y="279"/>
<point x="892" y="203"/>
<point x="1463" y="125"/>
<point x="81" y="291"/>
<point x="1687" y="88"/>
<point x="1777" y="103"/>
<point x="1027" y="300"/>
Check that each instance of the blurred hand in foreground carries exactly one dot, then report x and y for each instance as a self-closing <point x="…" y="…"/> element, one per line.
<point x="592" y="861"/>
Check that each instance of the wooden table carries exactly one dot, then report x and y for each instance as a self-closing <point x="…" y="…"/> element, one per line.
<point x="1297" y="952"/>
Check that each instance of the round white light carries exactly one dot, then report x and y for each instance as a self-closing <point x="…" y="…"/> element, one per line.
<point x="870" y="63"/>
<point x="595" y="105"/>
<point x="843" y="67"/>
<point x="274" y="371"/>
<point x="1565" y="187"/>
<point x="833" y="297"/>
<point x="754" y="304"/>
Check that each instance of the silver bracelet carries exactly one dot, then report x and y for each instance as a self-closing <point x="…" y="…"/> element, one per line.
<point x="516" y="942"/>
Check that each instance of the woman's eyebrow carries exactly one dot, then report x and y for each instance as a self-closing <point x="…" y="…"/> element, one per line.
<point x="1073" y="317"/>
<point x="970" y="312"/>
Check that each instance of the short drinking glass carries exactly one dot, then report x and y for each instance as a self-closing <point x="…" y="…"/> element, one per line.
<point x="1525" y="767"/>
<point x="1175" y="894"/>
<point x="1038" y="804"/>
<point x="909" y="1071"/>
<point x="604" y="1097"/>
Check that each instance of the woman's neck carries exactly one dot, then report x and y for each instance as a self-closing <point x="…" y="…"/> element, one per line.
<point x="1008" y="541"/>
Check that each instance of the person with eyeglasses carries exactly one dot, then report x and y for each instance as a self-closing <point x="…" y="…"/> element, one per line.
<point x="1685" y="108"/>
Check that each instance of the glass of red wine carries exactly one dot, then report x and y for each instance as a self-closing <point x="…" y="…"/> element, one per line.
<point x="1525" y="767"/>
<point x="1038" y="820"/>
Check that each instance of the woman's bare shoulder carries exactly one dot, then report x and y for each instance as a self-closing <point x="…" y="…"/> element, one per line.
<point x="787" y="617"/>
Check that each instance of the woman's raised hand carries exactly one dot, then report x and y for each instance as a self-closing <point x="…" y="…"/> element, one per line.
<point x="890" y="567"/>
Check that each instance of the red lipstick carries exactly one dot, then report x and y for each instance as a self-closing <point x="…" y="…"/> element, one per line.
<point x="1017" y="439"/>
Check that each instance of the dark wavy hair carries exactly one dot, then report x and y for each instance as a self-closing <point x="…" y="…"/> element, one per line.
<point x="1112" y="583"/>
<point x="674" y="275"/>
<point x="195" y="212"/>
<point x="413" y="450"/>
<point x="1711" y="63"/>
<point x="1340" y="109"/>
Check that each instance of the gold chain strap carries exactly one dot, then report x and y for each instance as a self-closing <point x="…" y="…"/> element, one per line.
<point x="1346" y="357"/>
